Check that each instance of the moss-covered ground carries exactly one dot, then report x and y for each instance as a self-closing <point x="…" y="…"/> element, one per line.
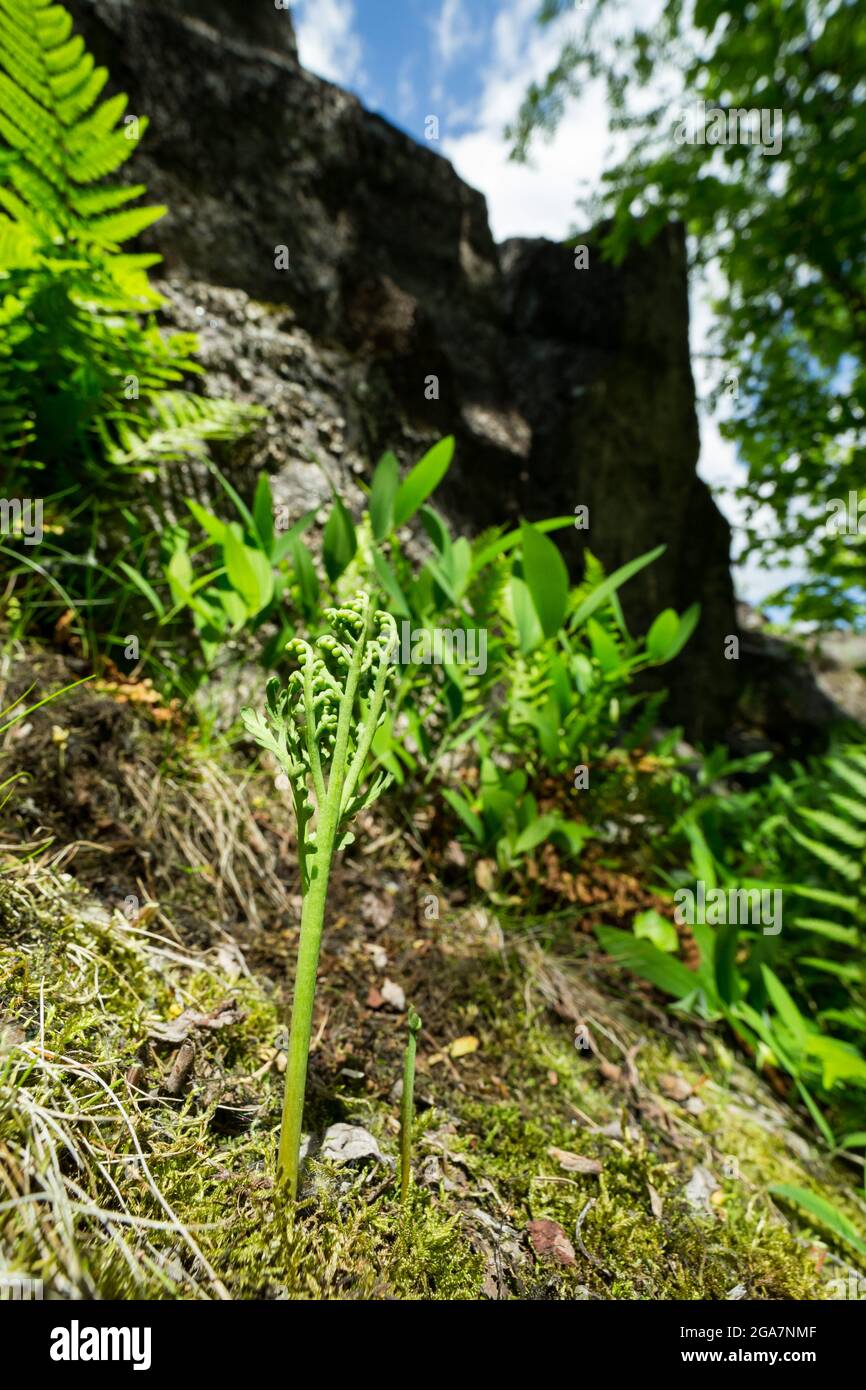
<point x="144" y="877"/>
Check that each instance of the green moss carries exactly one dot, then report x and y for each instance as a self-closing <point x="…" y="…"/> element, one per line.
<point x="125" y="1192"/>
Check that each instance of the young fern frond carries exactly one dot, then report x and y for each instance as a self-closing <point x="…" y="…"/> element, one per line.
<point x="320" y="729"/>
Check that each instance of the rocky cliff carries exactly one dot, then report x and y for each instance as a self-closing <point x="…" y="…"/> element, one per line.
<point x="335" y="268"/>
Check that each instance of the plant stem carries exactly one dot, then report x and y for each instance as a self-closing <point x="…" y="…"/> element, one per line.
<point x="312" y="921"/>
<point x="407" y="1106"/>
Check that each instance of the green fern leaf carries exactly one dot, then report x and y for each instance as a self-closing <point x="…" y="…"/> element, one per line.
<point x="843" y="769"/>
<point x="848" y="868"/>
<point x="835" y="826"/>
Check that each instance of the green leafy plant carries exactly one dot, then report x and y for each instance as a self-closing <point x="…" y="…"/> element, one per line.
<point x="790" y="296"/>
<point x="503" y="817"/>
<point x="320" y="730"/>
<point x="802" y="835"/>
<point x="407" y="1103"/>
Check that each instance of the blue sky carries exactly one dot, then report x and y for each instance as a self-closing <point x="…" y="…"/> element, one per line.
<point x="468" y="62"/>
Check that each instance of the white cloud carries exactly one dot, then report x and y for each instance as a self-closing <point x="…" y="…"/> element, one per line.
<point x="453" y="31"/>
<point x="328" y="43"/>
<point x="536" y="199"/>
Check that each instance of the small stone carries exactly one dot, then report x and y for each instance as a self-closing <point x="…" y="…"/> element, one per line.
<point x="485" y="874"/>
<point x="350" y="1144"/>
<point x="699" y="1189"/>
<point x="455" y="855"/>
<point x="549" y="1241"/>
<point x="394" y="996"/>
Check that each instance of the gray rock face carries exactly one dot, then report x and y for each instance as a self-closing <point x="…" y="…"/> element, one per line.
<point x="794" y="693"/>
<point x="564" y="387"/>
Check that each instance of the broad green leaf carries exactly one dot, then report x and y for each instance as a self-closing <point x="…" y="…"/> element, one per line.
<point x="644" y="959"/>
<point x="785" y="1006"/>
<point x="670" y="633"/>
<point x="574" y="835"/>
<point x="662" y="634"/>
<point x="609" y="586"/>
<point x="526" y="620"/>
<point x="339" y="542"/>
<point x="423" y="480"/>
<point x="388" y="580"/>
<point x="840" y="1062"/>
<point x="821" y="1211"/>
<point x="502" y="544"/>
<point x="263" y="513"/>
<point x="233" y="606"/>
<point x="687" y="624"/>
<point x="180" y="576"/>
<point x="702" y="855"/>
<point x="382" y="493"/>
<point x="546" y="577"/>
<point x="436" y="529"/>
<point x="286" y="539"/>
<point x="534" y="834"/>
<point x="210" y="524"/>
<point x="305" y="575"/>
<point x="652" y="926"/>
<point x="249" y="572"/>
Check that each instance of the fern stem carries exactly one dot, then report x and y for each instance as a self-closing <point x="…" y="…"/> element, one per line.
<point x="312" y="922"/>
<point x="407" y="1105"/>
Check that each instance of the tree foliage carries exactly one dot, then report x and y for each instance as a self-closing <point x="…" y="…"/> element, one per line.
<point x="782" y="235"/>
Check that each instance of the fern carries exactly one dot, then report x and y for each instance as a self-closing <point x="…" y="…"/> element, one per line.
<point x="835" y="852"/>
<point x="83" y="363"/>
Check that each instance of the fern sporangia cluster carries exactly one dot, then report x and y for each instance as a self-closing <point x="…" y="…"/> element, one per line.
<point x="84" y="370"/>
<point x="320" y="729"/>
